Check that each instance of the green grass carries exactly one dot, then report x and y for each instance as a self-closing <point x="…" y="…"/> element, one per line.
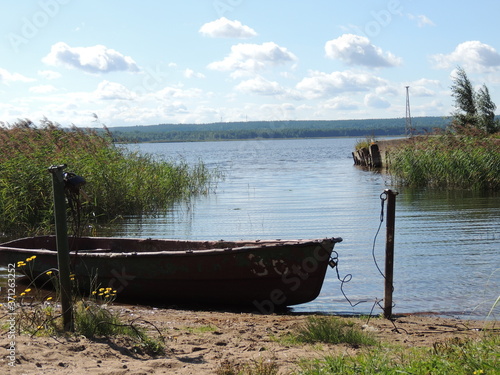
<point x="448" y="161"/>
<point x="452" y="357"/>
<point x="332" y="330"/>
<point x="256" y="367"/>
<point x="364" y="143"/>
<point x="119" y="182"/>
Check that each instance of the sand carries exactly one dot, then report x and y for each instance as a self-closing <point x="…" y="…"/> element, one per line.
<point x="198" y="342"/>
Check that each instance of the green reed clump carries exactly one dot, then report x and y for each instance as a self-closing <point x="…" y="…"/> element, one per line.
<point x="333" y="331"/>
<point x="448" y="161"/>
<point x="119" y="182"/>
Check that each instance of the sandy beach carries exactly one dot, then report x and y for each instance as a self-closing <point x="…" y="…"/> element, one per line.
<point x="198" y="342"/>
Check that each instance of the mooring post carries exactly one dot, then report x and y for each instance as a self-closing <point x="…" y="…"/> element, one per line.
<point x="389" y="252"/>
<point x="62" y="244"/>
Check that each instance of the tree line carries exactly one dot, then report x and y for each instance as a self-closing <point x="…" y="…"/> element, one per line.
<point x="273" y="130"/>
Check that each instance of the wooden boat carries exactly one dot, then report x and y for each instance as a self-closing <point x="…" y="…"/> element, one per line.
<point x="264" y="273"/>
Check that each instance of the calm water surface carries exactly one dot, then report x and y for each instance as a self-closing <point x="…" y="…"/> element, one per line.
<point x="447" y="258"/>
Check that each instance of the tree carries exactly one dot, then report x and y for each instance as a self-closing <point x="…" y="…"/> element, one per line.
<point x="465" y="101"/>
<point x="486" y="111"/>
<point x="473" y="110"/>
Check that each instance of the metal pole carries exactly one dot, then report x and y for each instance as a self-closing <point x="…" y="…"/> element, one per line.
<point x="62" y="245"/>
<point x="389" y="252"/>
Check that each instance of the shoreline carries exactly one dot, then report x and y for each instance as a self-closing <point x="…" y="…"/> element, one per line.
<point x="199" y="341"/>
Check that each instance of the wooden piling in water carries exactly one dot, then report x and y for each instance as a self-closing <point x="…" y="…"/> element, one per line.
<point x="389" y="252"/>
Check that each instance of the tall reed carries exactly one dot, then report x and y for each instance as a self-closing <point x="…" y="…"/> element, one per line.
<point x="448" y="161"/>
<point x="119" y="182"/>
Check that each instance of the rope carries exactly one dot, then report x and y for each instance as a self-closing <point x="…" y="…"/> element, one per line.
<point x="345" y="279"/>
<point x="348" y="277"/>
<point x="383" y="198"/>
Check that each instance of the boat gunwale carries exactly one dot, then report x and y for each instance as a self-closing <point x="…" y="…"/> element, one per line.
<point x="110" y="253"/>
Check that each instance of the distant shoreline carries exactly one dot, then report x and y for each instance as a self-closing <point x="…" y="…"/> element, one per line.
<point x="263" y="130"/>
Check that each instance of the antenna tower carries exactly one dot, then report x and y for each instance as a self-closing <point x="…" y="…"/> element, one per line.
<point x="408" y="127"/>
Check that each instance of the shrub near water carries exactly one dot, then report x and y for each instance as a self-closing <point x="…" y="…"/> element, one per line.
<point x="451" y="161"/>
<point x="119" y="182"/>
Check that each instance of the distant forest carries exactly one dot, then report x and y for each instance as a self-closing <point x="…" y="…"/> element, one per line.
<point x="221" y="131"/>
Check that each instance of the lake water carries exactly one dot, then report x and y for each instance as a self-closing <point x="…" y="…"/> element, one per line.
<point x="447" y="243"/>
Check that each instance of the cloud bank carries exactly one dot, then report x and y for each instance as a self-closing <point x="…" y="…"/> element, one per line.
<point x="357" y="50"/>
<point x="224" y="28"/>
<point x="96" y="59"/>
<point x="250" y="58"/>
<point x="473" y="55"/>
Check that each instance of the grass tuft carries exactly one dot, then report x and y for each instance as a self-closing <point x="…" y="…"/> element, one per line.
<point x="332" y="330"/>
<point x="256" y="367"/>
<point x="450" y="357"/>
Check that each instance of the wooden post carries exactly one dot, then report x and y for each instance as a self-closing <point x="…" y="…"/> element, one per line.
<point x="62" y="245"/>
<point x="389" y="252"/>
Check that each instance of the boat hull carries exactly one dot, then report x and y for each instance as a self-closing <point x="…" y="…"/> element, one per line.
<point x="265" y="274"/>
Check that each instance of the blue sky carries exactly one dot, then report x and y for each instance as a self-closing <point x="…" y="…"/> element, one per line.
<point x="149" y="62"/>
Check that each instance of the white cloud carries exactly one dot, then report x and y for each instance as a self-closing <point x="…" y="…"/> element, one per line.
<point x="376" y="101"/>
<point x="261" y="86"/>
<point x="42" y="89"/>
<point x="96" y="59"/>
<point x="7" y="77"/>
<point x="422" y="20"/>
<point x="424" y="87"/>
<point x="388" y="90"/>
<point x="107" y="90"/>
<point x="49" y="74"/>
<point x="190" y="73"/>
<point x="472" y="55"/>
<point x="177" y="92"/>
<point x="250" y="58"/>
<point x="357" y="50"/>
<point x="340" y="103"/>
<point x="224" y="28"/>
<point x="321" y="84"/>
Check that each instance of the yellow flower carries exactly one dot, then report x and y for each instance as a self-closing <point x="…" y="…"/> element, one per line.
<point x="48" y="273"/>
<point x="49" y="298"/>
<point x="101" y="289"/>
<point x="22" y="294"/>
<point x="28" y="290"/>
<point x="21" y="263"/>
<point x="94" y="292"/>
<point x="114" y="291"/>
<point x="100" y="294"/>
<point x="39" y="327"/>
